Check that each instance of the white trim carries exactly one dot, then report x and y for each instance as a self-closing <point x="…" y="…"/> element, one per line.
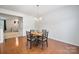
<point x="63" y="41"/>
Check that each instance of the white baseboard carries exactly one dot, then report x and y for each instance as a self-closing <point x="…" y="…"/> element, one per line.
<point x="64" y="41"/>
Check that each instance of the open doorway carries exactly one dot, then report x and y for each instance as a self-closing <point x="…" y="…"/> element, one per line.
<point x="13" y="26"/>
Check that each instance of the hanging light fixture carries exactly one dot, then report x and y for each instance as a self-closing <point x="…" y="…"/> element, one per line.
<point x="38" y="18"/>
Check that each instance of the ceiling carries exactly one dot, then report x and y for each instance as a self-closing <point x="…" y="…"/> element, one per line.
<point x="32" y="9"/>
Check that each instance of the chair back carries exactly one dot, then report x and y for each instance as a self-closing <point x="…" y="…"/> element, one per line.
<point x="28" y="34"/>
<point x="32" y="30"/>
<point x="45" y="34"/>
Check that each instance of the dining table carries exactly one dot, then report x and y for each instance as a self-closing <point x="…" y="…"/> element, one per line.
<point x="37" y="36"/>
<point x="36" y="33"/>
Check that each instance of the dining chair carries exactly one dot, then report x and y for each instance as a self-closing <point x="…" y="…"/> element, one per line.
<point x="29" y="39"/>
<point x="44" y="38"/>
<point x="31" y="35"/>
<point x="32" y="30"/>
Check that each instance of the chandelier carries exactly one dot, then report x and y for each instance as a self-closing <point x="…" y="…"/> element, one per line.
<point x="38" y="18"/>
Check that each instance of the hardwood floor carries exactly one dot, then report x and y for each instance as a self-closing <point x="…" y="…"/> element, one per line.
<point x="18" y="46"/>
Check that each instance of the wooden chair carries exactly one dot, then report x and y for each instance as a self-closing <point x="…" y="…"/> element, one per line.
<point x="44" y="38"/>
<point x="32" y="30"/>
<point x="29" y="39"/>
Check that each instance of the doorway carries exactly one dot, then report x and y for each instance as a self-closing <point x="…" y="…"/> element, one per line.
<point x="13" y="26"/>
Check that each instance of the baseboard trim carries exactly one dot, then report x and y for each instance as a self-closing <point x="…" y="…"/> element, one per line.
<point x="64" y="42"/>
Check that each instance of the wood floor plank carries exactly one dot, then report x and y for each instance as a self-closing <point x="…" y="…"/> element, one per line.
<point x="18" y="46"/>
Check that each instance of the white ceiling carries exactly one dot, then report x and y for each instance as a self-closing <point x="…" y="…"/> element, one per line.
<point x="32" y="9"/>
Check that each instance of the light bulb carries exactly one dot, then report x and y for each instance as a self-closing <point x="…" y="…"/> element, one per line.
<point x="40" y="18"/>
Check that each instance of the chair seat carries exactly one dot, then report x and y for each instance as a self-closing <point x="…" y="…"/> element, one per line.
<point x="31" y="39"/>
<point x="43" y="39"/>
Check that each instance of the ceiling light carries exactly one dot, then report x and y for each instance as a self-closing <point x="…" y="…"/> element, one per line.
<point x="38" y="18"/>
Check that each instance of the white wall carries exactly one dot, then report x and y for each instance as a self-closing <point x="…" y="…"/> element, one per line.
<point x="28" y="21"/>
<point x="38" y="24"/>
<point x="1" y="30"/>
<point x="63" y="24"/>
<point x="1" y="36"/>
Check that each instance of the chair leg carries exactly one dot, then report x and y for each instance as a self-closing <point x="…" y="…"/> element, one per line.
<point x="30" y="44"/>
<point x="42" y="45"/>
<point x="47" y="43"/>
<point x="27" y="43"/>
